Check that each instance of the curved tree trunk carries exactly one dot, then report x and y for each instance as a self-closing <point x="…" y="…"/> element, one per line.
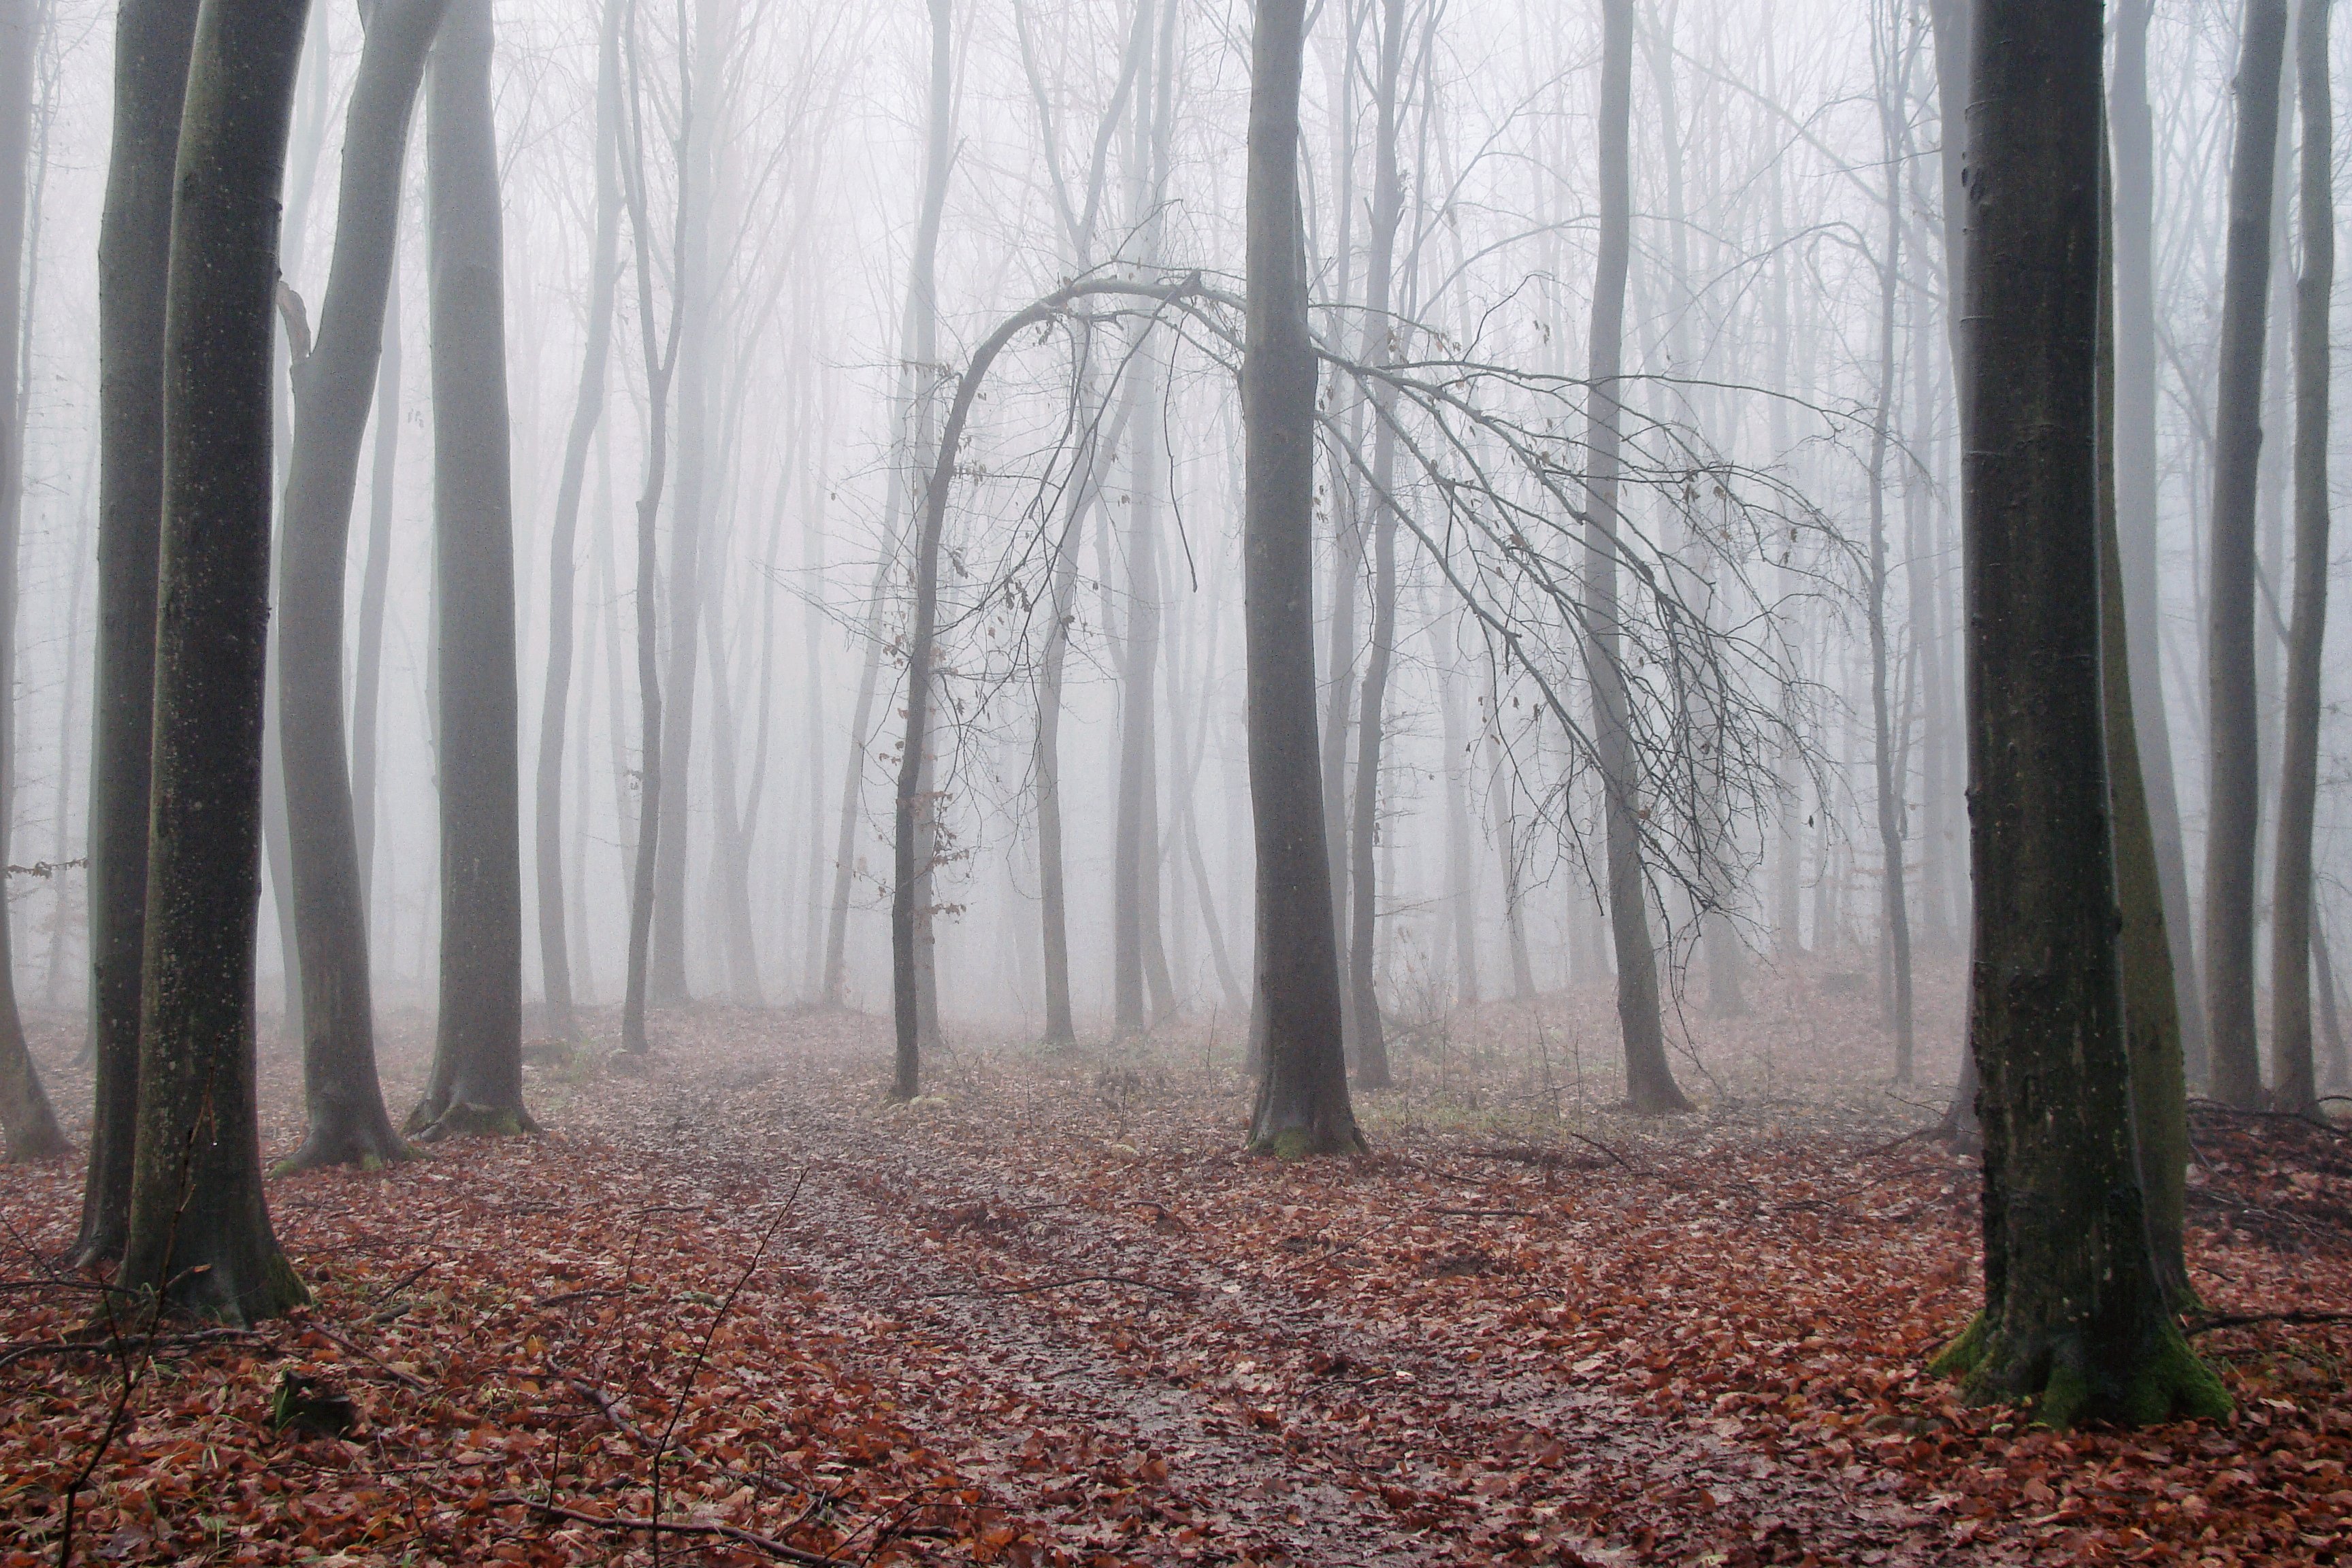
<point x="150" y="74"/>
<point x="1302" y="1098"/>
<point x="476" y="1082"/>
<point x="588" y="408"/>
<point x="2235" y="805"/>
<point x="199" y="1234"/>
<point x="26" y="1116"/>
<point x="333" y="384"/>
<point x="367" y="684"/>
<point x="1649" y="1081"/>
<point x="2295" y="1083"/>
<point x="2074" y="1317"/>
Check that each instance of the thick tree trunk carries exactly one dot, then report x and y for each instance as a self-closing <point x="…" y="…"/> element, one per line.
<point x="375" y="580"/>
<point x="2295" y="1084"/>
<point x="587" y="410"/>
<point x="150" y="74"/>
<point x="199" y="1234"/>
<point x="333" y="384"/>
<point x="2075" y="1318"/>
<point x="2235" y="805"/>
<point x="2132" y="136"/>
<point x="1302" y="1101"/>
<point x="26" y="1119"/>
<point x="1649" y="1081"/>
<point x="477" y="1080"/>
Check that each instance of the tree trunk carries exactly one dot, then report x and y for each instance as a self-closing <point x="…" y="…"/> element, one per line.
<point x="2075" y="1318"/>
<point x="332" y="385"/>
<point x="2297" y="1088"/>
<point x="1052" y="900"/>
<point x="1649" y="1081"/>
<point x="2236" y="806"/>
<point x="199" y="1234"/>
<point x="476" y="1081"/>
<point x="1461" y="871"/>
<point x="150" y="74"/>
<point x="26" y="1116"/>
<point x="367" y="686"/>
<point x="1895" y="908"/>
<point x="587" y="409"/>
<point x="2132" y="135"/>
<point x="1302" y="1100"/>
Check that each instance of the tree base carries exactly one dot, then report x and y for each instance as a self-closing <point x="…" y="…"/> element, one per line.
<point x="371" y="1149"/>
<point x="460" y="1119"/>
<point x="1306" y="1143"/>
<point x="2053" y="1374"/>
<point x="210" y="1294"/>
<point x="42" y="1140"/>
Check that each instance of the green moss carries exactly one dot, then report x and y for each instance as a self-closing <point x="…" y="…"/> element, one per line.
<point x="1305" y="1143"/>
<point x="2170" y="1383"/>
<point x="1961" y="1357"/>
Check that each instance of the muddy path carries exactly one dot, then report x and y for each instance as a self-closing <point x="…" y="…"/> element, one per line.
<point x="1145" y="1378"/>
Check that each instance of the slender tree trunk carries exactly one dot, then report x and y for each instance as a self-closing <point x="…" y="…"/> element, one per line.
<point x="1054" y="910"/>
<point x="2235" y="805"/>
<point x="199" y="1232"/>
<point x="1503" y="791"/>
<point x="30" y="1125"/>
<point x="1649" y="1081"/>
<point x="367" y="685"/>
<point x="1302" y="1101"/>
<point x="333" y="386"/>
<point x="1460" y="872"/>
<point x="2296" y="1086"/>
<point x="2074" y="1317"/>
<point x="587" y="410"/>
<point x="477" y="1080"/>
<point x="151" y="72"/>
<point x="1896" y="904"/>
<point x="2131" y="134"/>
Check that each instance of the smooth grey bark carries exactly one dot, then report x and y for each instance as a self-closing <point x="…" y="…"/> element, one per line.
<point x="2235" y="807"/>
<point x="1649" y="1081"/>
<point x="587" y="410"/>
<point x="2294" y="1082"/>
<point x="2075" y="1318"/>
<point x="1302" y="1106"/>
<point x="1140" y="956"/>
<point x="333" y="383"/>
<point x="153" y="38"/>
<point x="477" y="1078"/>
<point x="27" y="1118"/>
<point x="2131" y="133"/>
<point x="375" y="578"/>
<point x="1460" y="868"/>
<point x="199" y="1236"/>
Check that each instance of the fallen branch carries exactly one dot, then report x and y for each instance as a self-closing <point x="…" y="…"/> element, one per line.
<point x="114" y="1344"/>
<point x="1177" y="1291"/>
<point x="594" y="1291"/>
<point x="412" y="1380"/>
<point x="2239" y="1320"/>
<point x="752" y="1538"/>
<point x="1496" y="1214"/>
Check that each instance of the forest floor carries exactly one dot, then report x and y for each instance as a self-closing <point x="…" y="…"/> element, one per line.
<point x="1048" y="1314"/>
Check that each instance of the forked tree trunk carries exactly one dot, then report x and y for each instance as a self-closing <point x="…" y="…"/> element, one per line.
<point x="199" y="1234"/>
<point x="333" y="384"/>
<point x="587" y="410"/>
<point x="151" y="75"/>
<point x="1302" y="1101"/>
<point x="1649" y="1081"/>
<point x="2235" y="805"/>
<point x="2297" y="1088"/>
<point x="477" y="1079"/>
<point x="26" y="1119"/>
<point x="2074" y="1317"/>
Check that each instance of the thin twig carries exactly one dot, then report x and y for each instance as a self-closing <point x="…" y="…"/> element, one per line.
<point x="767" y="1544"/>
<point x="1177" y="1291"/>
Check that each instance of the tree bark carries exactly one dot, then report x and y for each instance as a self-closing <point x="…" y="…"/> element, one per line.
<point x="27" y="1118"/>
<point x="1649" y="1081"/>
<point x="199" y="1235"/>
<point x="1302" y="1100"/>
<point x="153" y="38"/>
<point x="2235" y="805"/>
<point x="2075" y="1318"/>
<point x="477" y="1079"/>
<point x="2295" y="1086"/>
<point x="367" y="685"/>
<point x="1895" y="908"/>
<point x="587" y="409"/>
<point x="2132" y="136"/>
<point x="332" y="385"/>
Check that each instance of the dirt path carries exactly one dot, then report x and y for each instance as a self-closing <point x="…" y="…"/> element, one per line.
<point x="1150" y="1390"/>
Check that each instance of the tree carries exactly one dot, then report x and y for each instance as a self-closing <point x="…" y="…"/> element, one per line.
<point x="1302" y="1100"/>
<point x="333" y="384"/>
<point x="199" y="1234"/>
<point x="2295" y="1086"/>
<point x="588" y="407"/>
<point x="477" y="1080"/>
<point x="2235" y="805"/>
<point x="25" y="1117"/>
<point x="2075" y="1318"/>
<point x="1649" y="1081"/>
<point x="151" y="77"/>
